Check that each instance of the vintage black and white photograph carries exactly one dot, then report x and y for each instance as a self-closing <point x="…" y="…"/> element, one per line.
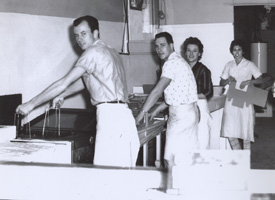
<point x="137" y="99"/>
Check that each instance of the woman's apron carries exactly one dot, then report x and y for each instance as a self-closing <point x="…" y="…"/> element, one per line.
<point x="204" y="126"/>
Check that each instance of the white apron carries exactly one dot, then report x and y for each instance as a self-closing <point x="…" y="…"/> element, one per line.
<point x="204" y="126"/>
<point x="117" y="142"/>
<point x="181" y="133"/>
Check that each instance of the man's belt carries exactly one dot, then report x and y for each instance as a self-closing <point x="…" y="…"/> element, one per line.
<point x="113" y="102"/>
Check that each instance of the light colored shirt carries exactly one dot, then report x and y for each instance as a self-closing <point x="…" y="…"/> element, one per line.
<point x="241" y="72"/>
<point x="105" y="76"/>
<point x="182" y="88"/>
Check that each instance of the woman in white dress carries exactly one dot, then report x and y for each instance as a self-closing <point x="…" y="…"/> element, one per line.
<point x="238" y="123"/>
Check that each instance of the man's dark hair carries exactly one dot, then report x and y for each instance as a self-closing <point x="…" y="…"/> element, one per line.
<point x="167" y="36"/>
<point x="92" y="22"/>
<point x="192" y="40"/>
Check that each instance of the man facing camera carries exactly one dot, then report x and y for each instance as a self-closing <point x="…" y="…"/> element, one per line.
<point x="101" y="67"/>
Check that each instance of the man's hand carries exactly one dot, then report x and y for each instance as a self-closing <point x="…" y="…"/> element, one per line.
<point x="57" y="102"/>
<point x="153" y="114"/>
<point x="139" y="117"/>
<point x="244" y="83"/>
<point x="24" y="108"/>
<point x="231" y="79"/>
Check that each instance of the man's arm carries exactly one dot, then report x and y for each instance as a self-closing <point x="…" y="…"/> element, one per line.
<point x="224" y="82"/>
<point x="153" y="97"/>
<point x="158" y="109"/>
<point x="258" y="80"/>
<point x="52" y="91"/>
<point x="74" y="88"/>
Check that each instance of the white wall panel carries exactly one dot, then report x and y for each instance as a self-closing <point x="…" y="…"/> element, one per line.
<point x="37" y="50"/>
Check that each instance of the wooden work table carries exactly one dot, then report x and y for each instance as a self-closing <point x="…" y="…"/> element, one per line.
<point x="216" y="103"/>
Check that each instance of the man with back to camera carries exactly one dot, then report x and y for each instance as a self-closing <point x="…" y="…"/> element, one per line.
<point x="101" y="67"/>
<point x="178" y="83"/>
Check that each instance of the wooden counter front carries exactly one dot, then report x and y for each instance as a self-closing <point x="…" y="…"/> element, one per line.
<point x="216" y="103"/>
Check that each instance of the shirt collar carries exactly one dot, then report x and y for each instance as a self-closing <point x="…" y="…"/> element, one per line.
<point x="98" y="41"/>
<point x="174" y="54"/>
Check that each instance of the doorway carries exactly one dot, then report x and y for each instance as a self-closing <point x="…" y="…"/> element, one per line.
<point x="257" y="24"/>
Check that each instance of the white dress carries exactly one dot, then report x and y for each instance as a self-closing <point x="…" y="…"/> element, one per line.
<point x="239" y="122"/>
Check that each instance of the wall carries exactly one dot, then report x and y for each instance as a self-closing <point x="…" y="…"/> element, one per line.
<point x="37" y="41"/>
<point x="142" y="64"/>
<point x="197" y="12"/>
<point x="66" y="8"/>
<point x="200" y="11"/>
<point x="141" y="23"/>
<point x="37" y="46"/>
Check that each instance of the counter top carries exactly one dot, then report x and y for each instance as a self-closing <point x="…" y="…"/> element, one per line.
<point x="216" y="103"/>
<point x="36" y="151"/>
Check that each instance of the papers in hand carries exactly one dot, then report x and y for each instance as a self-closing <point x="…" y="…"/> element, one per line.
<point x="239" y="88"/>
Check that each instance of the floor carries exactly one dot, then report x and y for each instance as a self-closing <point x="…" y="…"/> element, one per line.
<point x="263" y="149"/>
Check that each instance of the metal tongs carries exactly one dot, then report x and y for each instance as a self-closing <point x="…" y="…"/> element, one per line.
<point x="18" y="123"/>
<point x="57" y="118"/>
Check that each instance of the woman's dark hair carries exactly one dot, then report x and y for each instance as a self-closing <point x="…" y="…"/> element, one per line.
<point x="240" y="43"/>
<point x="167" y="36"/>
<point x="191" y="40"/>
<point x="92" y="22"/>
